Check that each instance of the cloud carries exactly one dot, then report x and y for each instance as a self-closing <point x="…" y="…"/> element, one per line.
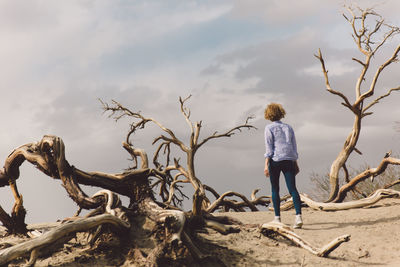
<point x="280" y="12"/>
<point x="232" y="57"/>
<point x="284" y="13"/>
<point x="337" y="68"/>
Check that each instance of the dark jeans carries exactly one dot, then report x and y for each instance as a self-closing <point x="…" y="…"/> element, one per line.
<point x="289" y="171"/>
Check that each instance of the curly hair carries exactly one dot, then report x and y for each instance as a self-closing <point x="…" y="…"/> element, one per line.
<point x="274" y="112"/>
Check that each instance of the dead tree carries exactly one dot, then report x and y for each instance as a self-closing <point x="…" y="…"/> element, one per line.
<point x="369" y="40"/>
<point x="173" y="230"/>
<point x="172" y="173"/>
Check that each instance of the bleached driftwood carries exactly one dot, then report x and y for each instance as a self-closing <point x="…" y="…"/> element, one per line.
<point x="34" y="245"/>
<point x="360" y="203"/>
<point x="281" y="229"/>
<point x="368" y="173"/>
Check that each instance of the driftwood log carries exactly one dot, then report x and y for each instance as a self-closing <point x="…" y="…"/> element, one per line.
<point x="283" y="230"/>
<point x="360" y="203"/>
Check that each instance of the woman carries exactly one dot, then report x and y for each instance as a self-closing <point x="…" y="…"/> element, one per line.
<point x="281" y="156"/>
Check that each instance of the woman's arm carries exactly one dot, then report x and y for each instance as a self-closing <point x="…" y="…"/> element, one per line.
<point x="266" y="168"/>
<point x="269" y="143"/>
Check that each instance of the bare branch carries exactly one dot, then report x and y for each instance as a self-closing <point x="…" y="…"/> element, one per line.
<point x="380" y="98"/>
<point x="253" y="194"/>
<point x="393" y="31"/>
<point x="197" y="132"/>
<point x="365" y="175"/>
<point x="359" y="61"/>
<point x="212" y="190"/>
<point x="370" y="92"/>
<point x="357" y="34"/>
<point x="396" y="182"/>
<point x="137" y="153"/>
<point x="118" y="111"/>
<point x="228" y="133"/>
<point x="217" y="203"/>
<point x="173" y="185"/>
<point x="328" y="86"/>
<point x="186" y="113"/>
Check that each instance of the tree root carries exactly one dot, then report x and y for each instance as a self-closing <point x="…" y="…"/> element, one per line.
<point x="221" y="228"/>
<point x="284" y="231"/>
<point x="46" y="240"/>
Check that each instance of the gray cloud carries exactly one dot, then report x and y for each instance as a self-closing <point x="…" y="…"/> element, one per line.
<point x="59" y="58"/>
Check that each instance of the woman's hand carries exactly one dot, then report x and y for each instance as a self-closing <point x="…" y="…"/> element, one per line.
<point x="266" y="168"/>
<point x="266" y="172"/>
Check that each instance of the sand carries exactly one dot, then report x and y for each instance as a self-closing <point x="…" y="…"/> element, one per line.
<point x="374" y="241"/>
<point x="374" y="231"/>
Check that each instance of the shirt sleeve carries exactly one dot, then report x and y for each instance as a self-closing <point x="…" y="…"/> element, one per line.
<point x="269" y="143"/>
<point x="294" y="143"/>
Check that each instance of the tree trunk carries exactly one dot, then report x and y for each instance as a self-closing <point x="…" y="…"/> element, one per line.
<point x="342" y="158"/>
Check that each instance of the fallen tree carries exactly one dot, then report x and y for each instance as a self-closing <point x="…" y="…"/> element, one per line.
<point x="173" y="231"/>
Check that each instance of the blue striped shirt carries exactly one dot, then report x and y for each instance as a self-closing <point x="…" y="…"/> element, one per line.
<point x="280" y="142"/>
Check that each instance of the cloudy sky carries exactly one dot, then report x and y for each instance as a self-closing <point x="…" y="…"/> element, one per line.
<point x="233" y="57"/>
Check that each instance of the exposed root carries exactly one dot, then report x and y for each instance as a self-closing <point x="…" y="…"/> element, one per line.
<point x="46" y="240"/>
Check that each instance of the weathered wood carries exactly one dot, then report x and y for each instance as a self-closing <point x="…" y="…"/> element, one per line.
<point x="363" y="36"/>
<point x="221" y="228"/>
<point x="173" y="226"/>
<point x="174" y="220"/>
<point x="219" y="202"/>
<point x="200" y="200"/>
<point x="361" y="203"/>
<point x="284" y="231"/>
<point x="355" y="204"/>
<point x="369" y="173"/>
<point x="48" y="156"/>
<point x="48" y="238"/>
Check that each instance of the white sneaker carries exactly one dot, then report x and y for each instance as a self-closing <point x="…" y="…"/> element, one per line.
<point x="298" y="222"/>
<point x="277" y="219"/>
